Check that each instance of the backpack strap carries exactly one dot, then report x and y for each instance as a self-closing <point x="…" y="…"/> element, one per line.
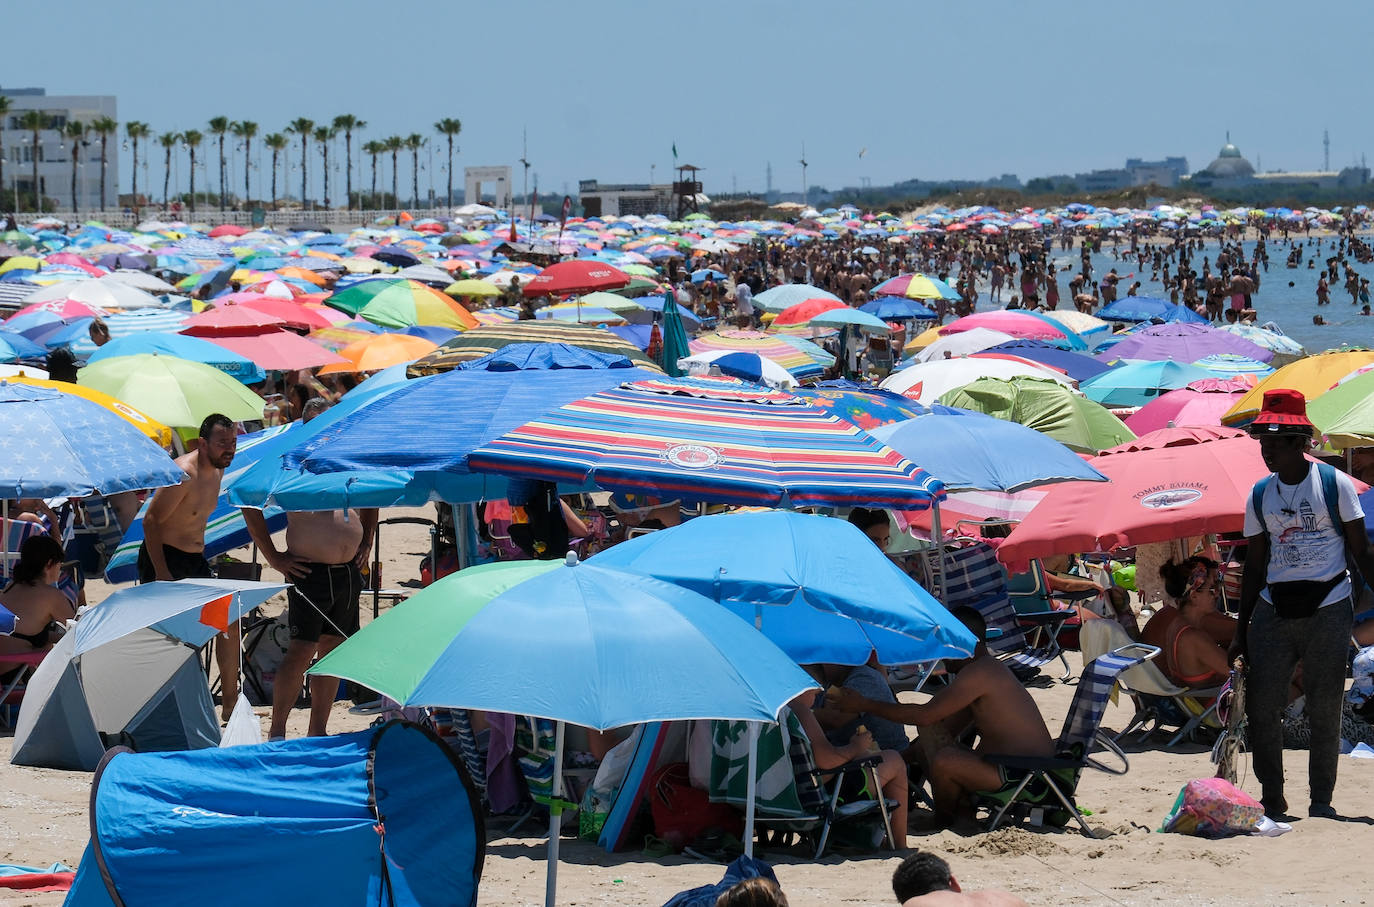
<point x="1257" y="501"/>
<point x="1327" y="473"/>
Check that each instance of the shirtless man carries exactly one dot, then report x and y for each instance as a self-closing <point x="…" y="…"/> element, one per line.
<point x="324" y="551"/>
<point x="984" y="695"/>
<point x="923" y="878"/>
<point x="174" y="533"/>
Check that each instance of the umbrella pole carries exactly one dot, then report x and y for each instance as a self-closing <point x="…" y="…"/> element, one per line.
<point x="750" y="784"/>
<point x="938" y="537"/>
<point x="555" y="817"/>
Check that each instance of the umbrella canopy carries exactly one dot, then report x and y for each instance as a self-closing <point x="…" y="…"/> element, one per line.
<point x="378" y="352"/>
<point x="1224" y="365"/>
<point x="1148" y="308"/>
<point x="970" y="451"/>
<point x="1345" y="414"/>
<point x="803" y="312"/>
<point x="1139" y="382"/>
<point x="182" y="346"/>
<point x="1045" y="406"/>
<point x="1280" y="344"/>
<point x="228" y="318"/>
<point x="1078" y="366"/>
<point x="782" y="297"/>
<point x="897" y="308"/>
<point x="293" y="314"/>
<point x="1182" y="343"/>
<point x="523" y="356"/>
<point x="824" y="574"/>
<point x="838" y="318"/>
<point x="927" y="382"/>
<point x="472" y="289"/>
<point x="675" y="347"/>
<point x="278" y="350"/>
<point x="191" y="610"/>
<point x="101" y="292"/>
<point x="801" y="358"/>
<point x="916" y="286"/>
<point x="65" y="445"/>
<point x="1017" y="324"/>
<point x="790" y="455"/>
<point x="745" y="366"/>
<point x="403" y="303"/>
<point x="974" y="340"/>
<point x="1153" y="495"/>
<point x="578" y="276"/>
<point x="866" y="407"/>
<point x="467" y="634"/>
<point x="175" y="392"/>
<point x="1312" y="377"/>
<point x="487" y="339"/>
<point x="151" y="428"/>
<point x="1184" y="406"/>
<point x="1175" y="437"/>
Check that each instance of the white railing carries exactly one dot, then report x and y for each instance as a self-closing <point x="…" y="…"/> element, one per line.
<point x="333" y="217"/>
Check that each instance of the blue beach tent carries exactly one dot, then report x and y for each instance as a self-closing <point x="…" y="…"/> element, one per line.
<point x="382" y="816"/>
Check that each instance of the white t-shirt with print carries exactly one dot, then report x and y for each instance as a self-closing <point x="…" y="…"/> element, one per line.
<point x="1303" y="545"/>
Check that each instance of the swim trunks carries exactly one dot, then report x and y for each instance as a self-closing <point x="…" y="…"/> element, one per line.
<point x="181" y="564"/>
<point x="324" y="602"/>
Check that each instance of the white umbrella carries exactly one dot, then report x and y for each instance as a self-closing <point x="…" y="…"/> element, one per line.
<point x="100" y="292"/>
<point x="142" y="280"/>
<point x="963" y="343"/>
<point x="927" y="382"/>
<point x="773" y="373"/>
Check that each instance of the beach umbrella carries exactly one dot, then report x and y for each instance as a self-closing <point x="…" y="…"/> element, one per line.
<point x="916" y="286"/>
<point x="675" y="346"/>
<point x="182" y="346"/>
<point x="691" y="659"/>
<point x="292" y="314"/>
<point x="59" y="309"/>
<point x="142" y="280"/>
<point x="152" y="429"/>
<point x="486" y="339"/>
<point x="973" y="340"/>
<point x="1045" y="406"/>
<point x="15" y="346"/>
<point x="1183" y="406"/>
<point x="1080" y="322"/>
<point x="782" y="297"/>
<point x="401" y="303"/>
<point x="1175" y="436"/>
<point x="1138" y="382"/>
<point x="971" y="451"/>
<point x="897" y="308"/>
<point x="472" y="289"/>
<point x="1182" y="343"/>
<point x="745" y="366"/>
<point x="1078" y="366"/>
<point x="65" y="445"/>
<point x="544" y="356"/>
<point x="1345" y="414"/>
<point x="1148" y="308"/>
<point x="572" y="311"/>
<point x="926" y="382"/>
<point x="1154" y="495"/>
<point x="378" y="352"/>
<point x="229" y="318"/>
<point x="1017" y="324"/>
<point x="102" y="293"/>
<point x="191" y="610"/>
<point x="1311" y="376"/>
<point x="865" y="406"/>
<point x="802" y="312"/>
<point x="175" y="392"/>
<point x="1225" y="365"/>
<point x="277" y="350"/>
<point x="816" y="586"/>
<point x="577" y="276"/>
<point x="801" y="358"/>
<point x="1280" y="344"/>
<point x="785" y="454"/>
<point x="840" y="318"/>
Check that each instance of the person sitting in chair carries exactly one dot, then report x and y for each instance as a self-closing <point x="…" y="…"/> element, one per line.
<point x="984" y="694"/>
<point x="1192" y="657"/>
<point x="34" y="599"/>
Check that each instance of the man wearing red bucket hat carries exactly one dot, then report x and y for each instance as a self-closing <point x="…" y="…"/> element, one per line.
<point x="1301" y="522"/>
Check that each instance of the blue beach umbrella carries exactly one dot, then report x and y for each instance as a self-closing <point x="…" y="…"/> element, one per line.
<point x="1138" y="382"/>
<point x="1148" y="308"/>
<point x="897" y="308"/>
<point x="182" y="346"/>
<point x="1077" y="366"/>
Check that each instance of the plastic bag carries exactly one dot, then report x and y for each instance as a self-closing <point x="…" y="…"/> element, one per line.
<point x="243" y="728"/>
<point x="1213" y="808"/>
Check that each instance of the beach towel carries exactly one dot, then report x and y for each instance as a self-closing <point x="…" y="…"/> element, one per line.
<point x="57" y="877"/>
<point x="776" y="791"/>
<point x="705" y="896"/>
<point x="503" y="786"/>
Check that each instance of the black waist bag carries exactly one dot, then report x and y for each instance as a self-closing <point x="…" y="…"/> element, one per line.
<point x="1301" y="598"/>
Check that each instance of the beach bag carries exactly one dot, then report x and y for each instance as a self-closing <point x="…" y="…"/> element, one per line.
<point x="1300" y="598"/>
<point x="1213" y="808"/>
<point x="681" y="812"/>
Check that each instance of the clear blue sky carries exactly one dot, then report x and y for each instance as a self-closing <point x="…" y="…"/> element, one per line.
<point x="931" y="90"/>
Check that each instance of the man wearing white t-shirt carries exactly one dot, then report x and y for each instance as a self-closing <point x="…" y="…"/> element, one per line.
<point x="1295" y="601"/>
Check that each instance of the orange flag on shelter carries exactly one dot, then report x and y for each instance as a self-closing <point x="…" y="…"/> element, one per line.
<point x="216" y="613"/>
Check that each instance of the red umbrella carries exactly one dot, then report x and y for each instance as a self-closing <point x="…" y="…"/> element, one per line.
<point x="236" y="318"/>
<point x="289" y="311"/>
<point x="807" y="309"/>
<point x="278" y="350"/>
<point x="227" y="230"/>
<point x="578" y="276"/>
<point x="1172" y="436"/>
<point x="1152" y="496"/>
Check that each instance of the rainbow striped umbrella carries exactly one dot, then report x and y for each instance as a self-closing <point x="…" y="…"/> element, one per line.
<point x="401" y="303"/>
<point x="801" y="358"/>
<point x="916" y="286"/>
<point x="724" y="451"/>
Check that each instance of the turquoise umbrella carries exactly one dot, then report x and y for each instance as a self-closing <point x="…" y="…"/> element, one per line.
<point x="675" y="345"/>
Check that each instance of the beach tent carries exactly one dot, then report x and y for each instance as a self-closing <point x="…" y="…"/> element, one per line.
<point x="381" y="816"/>
<point x="129" y="674"/>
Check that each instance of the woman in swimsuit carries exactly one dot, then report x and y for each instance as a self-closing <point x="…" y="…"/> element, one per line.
<point x="34" y="598"/>
<point x="1185" y="632"/>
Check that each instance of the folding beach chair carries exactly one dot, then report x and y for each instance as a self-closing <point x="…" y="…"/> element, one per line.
<point x="1047" y="785"/>
<point x="12" y="691"/>
<point x="811" y="809"/>
<point x="1150" y="690"/>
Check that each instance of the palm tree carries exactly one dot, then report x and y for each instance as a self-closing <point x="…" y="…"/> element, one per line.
<point x="414" y="142"/>
<point x="346" y="123"/>
<point x="136" y="132"/>
<point x="277" y="142"/>
<point x="35" y="121"/>
<point x="5" y="103"/>
<point x="394" y="144"/>
<point x="372" y="150"/>
<point x="302" y="127"/>
<point x="449" y="127"/>
<point x="219" y="126"/>
<point x="245" y="130"/>
<point x="192" y="138"/>
<point x="323" y="136"/>
<point x="104" y="127"/>
<point x="168" y="141"/>
<point x="76" y="131"/>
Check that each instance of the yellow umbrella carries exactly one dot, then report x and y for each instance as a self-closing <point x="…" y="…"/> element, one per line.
<point x="150" y="427"/>
<point x="378" y="352"/>
<point x="923" y="339"/>
<point x="21" y="263"/>
<point x="472" y="288"/>
<point x="1312" y="377"/>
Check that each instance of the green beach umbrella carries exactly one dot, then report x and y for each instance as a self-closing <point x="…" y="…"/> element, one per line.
<point x="1345" y="414"/>
<point x="675" y="345"/>
<point x="1046" y="406"/>
<point x="175" y="392"/>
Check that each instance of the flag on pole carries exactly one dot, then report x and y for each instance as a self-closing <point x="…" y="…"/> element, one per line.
<point x="674" y="152"/>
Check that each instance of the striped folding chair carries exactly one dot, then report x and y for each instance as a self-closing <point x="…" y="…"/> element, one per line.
<point x="1048" y="785"/>
<point x="974" y="578"/>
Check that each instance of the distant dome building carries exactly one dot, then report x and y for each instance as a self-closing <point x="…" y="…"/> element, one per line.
<point x="1230" y="165"/>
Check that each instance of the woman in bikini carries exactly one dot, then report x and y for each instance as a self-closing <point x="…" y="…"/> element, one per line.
<point x="1185" y="632"/>
<point x="34" y="599"/>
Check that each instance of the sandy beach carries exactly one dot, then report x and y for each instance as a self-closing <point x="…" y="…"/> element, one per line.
<point x="46" y="820"/>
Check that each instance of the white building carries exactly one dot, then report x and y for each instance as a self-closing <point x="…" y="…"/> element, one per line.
<point x="55" y="151"/>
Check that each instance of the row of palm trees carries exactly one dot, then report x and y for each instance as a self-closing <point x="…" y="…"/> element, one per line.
<point x="140" y="135"/>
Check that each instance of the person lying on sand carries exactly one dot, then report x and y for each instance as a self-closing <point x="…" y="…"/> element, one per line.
<point x="925" y="879"/>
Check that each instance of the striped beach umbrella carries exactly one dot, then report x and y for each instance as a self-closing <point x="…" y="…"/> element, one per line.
<point x="488" y="338"/>
<point x="714" y="450"/>
<point x="401" y="304"/>
<point x="916" y="286"/>
<point x="1224" y="365"/>
<point x="801" y="358"/>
